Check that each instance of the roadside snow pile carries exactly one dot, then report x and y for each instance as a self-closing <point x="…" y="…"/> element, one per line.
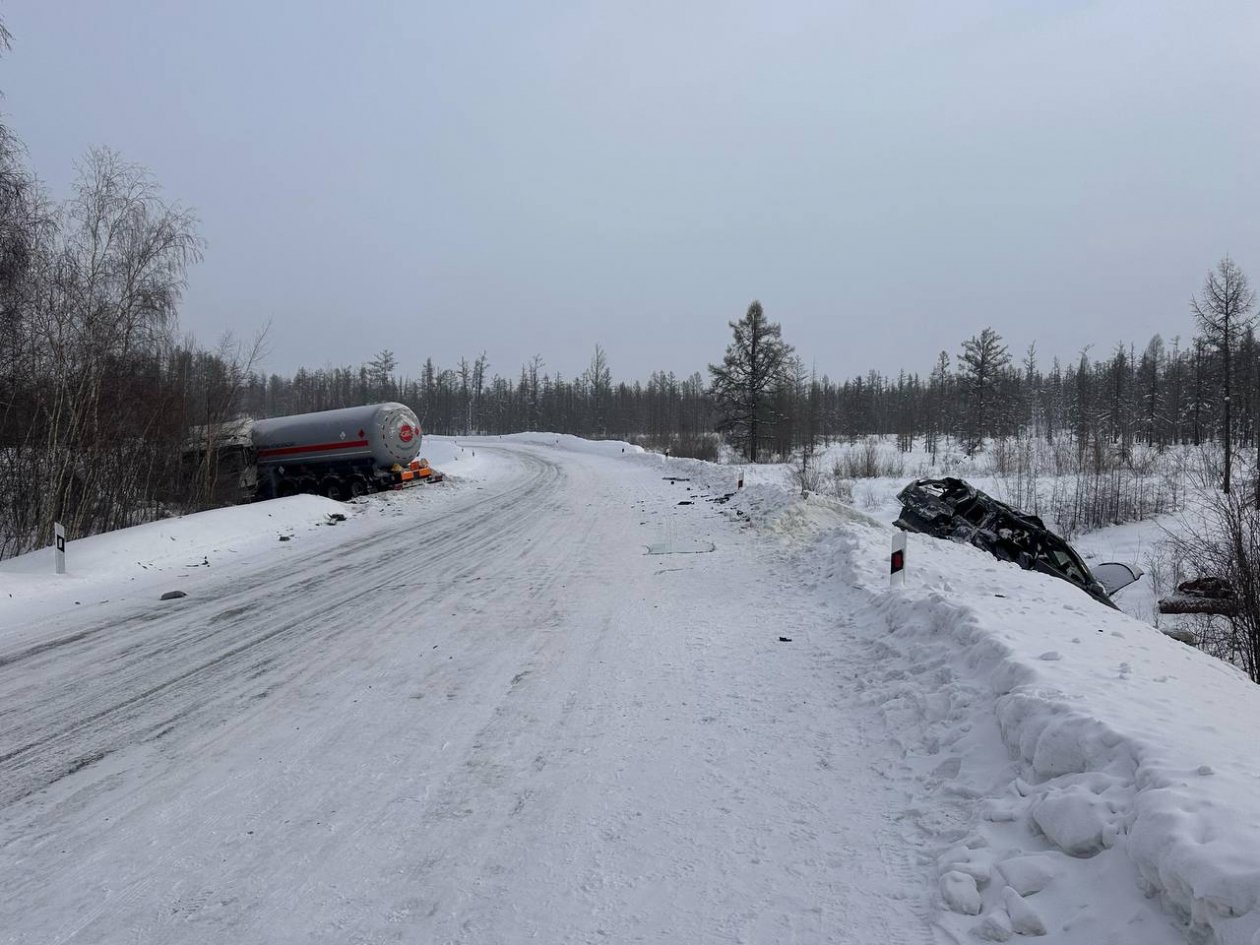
<point x="573" y="443"/>
<point x="144" y="553"/>
<point x="457" y="455"/>
<point x="171" y="542"/>
<point x="764" y="498"/>
<point x="150" y="555"/>
<point x="1130" y="762"/>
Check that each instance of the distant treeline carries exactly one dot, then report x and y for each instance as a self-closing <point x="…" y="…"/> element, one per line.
<point x="1167" y="393"/>
<point x="468" y="399"/>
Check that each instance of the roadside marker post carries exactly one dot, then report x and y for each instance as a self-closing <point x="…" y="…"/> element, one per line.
<point x="59" y="554"/>
<point x="740" y="483"/>
<point x="897" y="562"/>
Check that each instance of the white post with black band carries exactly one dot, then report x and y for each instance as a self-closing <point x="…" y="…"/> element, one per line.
<point x="59" y="553"/>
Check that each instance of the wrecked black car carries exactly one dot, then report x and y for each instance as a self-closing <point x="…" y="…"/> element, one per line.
<point x="952" y="508"/>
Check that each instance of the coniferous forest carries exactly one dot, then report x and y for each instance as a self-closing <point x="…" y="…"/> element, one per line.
<point x="1157" y="394"/>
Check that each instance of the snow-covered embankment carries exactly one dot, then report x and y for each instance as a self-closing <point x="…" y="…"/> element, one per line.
<point x="1131" y="761"/>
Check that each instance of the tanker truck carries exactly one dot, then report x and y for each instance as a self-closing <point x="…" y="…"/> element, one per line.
<point x="341" y="454"/>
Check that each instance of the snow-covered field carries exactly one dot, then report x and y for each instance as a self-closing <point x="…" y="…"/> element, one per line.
<point x="577" y="694"/>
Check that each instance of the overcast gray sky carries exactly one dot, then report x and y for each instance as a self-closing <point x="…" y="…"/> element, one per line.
<point x="443" y="179"/>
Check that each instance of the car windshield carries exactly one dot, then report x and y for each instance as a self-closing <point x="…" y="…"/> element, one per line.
<point x="1066" y="563"/>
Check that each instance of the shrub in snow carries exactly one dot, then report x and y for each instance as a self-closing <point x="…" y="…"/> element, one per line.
<point x="1220" y="536"/>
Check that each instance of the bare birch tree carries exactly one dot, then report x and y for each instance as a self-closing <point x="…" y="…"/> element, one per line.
<point x="106" y="313"/>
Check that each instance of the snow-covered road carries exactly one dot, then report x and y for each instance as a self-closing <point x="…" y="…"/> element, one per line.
<point x="489" y="717"/>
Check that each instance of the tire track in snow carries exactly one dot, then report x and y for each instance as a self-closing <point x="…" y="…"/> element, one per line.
<point x="69" y="709"/>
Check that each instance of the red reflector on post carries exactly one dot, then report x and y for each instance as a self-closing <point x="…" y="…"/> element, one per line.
<point x="897" y="561"/>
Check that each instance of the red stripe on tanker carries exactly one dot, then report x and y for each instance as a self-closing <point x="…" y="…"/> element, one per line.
<point x="296" y="450"/>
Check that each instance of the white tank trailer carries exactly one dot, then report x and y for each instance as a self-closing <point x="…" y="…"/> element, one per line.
<point x="338" y="453"/>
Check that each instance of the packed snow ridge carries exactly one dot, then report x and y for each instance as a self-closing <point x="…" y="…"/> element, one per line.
<point x="603" y="695"/>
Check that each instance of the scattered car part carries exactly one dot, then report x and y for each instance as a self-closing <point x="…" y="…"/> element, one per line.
<point x="1205" y="595"/>
<point x="1115" y="575"/>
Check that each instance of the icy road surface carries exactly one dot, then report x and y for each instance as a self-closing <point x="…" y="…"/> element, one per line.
<point x="482" y="717"/>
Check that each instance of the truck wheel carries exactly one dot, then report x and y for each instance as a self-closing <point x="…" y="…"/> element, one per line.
<point x="332" y="488"/>
<point x="358" y="487"/>
<point x="286" y="488"/>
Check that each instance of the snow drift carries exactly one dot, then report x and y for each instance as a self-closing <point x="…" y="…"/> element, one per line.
<point x="1126" y="743"/>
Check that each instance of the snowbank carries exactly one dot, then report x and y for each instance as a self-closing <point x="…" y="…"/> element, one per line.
<point x="457" y="455"/>
<point x="576" y="444"/>
<point x="146" y="556"/>
<point x="174" y="553"/>
<point x="1127" y="746"/>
